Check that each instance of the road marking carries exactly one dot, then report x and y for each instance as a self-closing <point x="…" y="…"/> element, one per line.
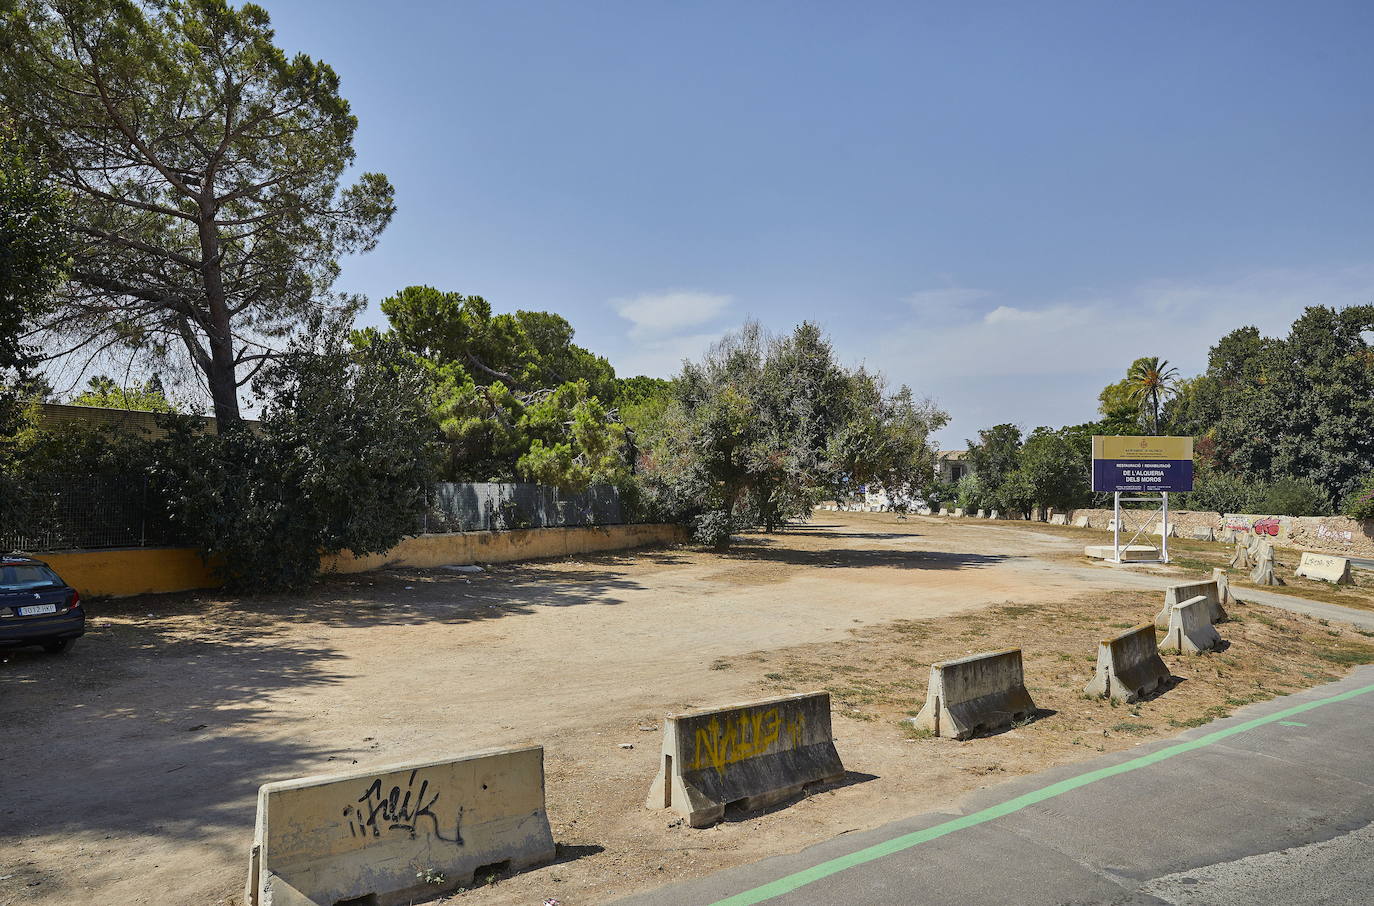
<point x="907" y="841"/>
<point x="1291" y="723"/>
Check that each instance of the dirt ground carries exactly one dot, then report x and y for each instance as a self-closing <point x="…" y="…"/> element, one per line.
<point x="1197" y="558"/>
<point x="131" y="763"/>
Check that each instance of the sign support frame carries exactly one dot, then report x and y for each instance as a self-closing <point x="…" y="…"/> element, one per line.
<point x="1163" y="501"/>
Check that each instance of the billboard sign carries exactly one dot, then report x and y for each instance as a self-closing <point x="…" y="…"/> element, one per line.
<point x="1142" y="463"/>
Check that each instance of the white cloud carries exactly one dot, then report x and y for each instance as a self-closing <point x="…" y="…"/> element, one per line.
<point x="1036" y="364"/>
<point x="663" y="357"/>
<point x="952" y="297"/>
<point x="656" y="316"/>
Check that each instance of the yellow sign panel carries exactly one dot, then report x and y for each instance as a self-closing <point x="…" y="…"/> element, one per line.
<point x="1143" y="448"/>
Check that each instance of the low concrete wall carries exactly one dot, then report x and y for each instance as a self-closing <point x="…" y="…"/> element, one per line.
<point x="755" y="754"/>
<point x="120" y="572"/>
<point x="1129" y="666"/>
<point x="1190" y="629"/>
<point x="323" y="839"/>
<point x="976" y="693"/>
<point x="1177" y="594"/>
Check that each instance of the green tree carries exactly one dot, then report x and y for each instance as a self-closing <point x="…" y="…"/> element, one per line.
<point x="764" y="426"/>
<point x="203" y="168"/>
<point x="1302" y="405"/>
<point x="1295" y="497"/>
<point x="1221" y="493"/>
<point x="513" y="395"/>
<point x="341" y="462"/>
<point x="1151" y="381"/>
<point x="1054" y="468"/>
<point x="993" y="458"/>
<point x="1120" y="413"/>
<point x="526" y="351"/>
<point x="33" y="251"/>
<point x="104" y="392"/>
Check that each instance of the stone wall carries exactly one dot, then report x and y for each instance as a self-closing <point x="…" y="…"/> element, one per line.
<point x="1329" y="534"/>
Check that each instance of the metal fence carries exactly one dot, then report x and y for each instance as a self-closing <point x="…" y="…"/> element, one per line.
<point x="64" y="512"/>
<point x="499" y="506"/>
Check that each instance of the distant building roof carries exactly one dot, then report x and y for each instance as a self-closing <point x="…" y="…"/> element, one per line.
<point x="953" y="454"/>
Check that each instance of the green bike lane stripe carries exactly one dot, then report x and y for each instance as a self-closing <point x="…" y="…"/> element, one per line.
<point x="907" y="841"/>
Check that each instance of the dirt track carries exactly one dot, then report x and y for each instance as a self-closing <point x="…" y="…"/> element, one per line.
<point x="131" y="764"/>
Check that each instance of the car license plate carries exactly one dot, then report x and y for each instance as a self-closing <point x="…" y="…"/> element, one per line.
<point x="34" y="610"/>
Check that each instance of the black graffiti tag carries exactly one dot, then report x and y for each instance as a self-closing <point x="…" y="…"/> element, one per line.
<point x="400" y="809"/>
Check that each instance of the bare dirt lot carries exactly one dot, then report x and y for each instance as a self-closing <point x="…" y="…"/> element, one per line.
<point x="131" y="763"/>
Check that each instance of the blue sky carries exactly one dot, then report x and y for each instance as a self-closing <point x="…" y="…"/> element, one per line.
<point x="1000" y="204"/>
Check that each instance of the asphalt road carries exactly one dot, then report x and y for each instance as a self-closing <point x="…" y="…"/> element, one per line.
<point x="1272" y="805"/>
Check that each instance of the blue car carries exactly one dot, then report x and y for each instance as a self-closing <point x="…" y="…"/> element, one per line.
<point x="37" y="607"/>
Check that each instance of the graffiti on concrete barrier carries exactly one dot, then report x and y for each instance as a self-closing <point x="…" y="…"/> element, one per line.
<point x="407" y="810"/>
<point x="720" y="744"/>
<point x="1268" y="526"/>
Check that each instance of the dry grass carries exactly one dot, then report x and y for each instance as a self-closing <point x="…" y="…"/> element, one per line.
<point x="880" y="674"/>
<point x="1192" y="558"/>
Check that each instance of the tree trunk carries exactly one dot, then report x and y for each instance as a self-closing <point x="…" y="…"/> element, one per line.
<point x="221" y="373"/>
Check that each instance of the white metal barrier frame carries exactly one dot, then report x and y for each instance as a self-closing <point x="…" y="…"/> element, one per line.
<point x="1163" y="510"/>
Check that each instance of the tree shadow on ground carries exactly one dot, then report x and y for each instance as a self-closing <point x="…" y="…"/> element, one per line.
<point x="770" y="550"/>
<point x="152" y="734"/>
<point x="391" y="597"/>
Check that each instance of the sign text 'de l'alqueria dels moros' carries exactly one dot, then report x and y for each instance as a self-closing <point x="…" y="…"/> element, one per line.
<point x="1142" y="463"/>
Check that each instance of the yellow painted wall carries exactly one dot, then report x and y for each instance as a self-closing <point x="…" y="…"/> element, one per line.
<point x="119" y="572"/>
<point x="136" y="571"/>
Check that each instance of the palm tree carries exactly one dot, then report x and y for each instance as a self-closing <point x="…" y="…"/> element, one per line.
<point x="1151" y="381"/>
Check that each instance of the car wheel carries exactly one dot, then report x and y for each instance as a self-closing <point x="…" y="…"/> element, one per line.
<point x="56" y="646"/>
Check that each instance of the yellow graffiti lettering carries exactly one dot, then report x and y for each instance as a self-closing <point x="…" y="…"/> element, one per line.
<point x="748" y="736"/>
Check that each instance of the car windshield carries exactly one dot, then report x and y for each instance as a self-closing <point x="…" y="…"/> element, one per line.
<point x="22" y="576"/>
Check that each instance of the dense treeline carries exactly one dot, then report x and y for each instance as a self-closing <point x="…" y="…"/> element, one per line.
<point x="1283" y="425"/>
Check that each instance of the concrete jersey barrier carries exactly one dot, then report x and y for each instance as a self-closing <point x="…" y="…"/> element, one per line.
<point x="754" y="754"/>
<point x="1177" y="594"/>
<point x="1129" y="666"/>
<point x="1223" y="581"/>
<point x="1081" y="522"/>
<point x="365" y="835"/>
<point x="1059" y="519"/>
<point x="981" y="692"/>
<point x="1190" y="630"/>
<point x="1325" y="568"/>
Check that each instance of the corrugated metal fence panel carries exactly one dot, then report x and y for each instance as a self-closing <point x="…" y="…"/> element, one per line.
<point x="497" y="506"/>
<point x="116" y="511"/>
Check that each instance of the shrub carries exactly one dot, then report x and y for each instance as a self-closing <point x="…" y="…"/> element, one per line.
<point x="714" y="527"/>
<point x="1294" y="497"/>
<point x="344" y="453"/>
<point x="1221" y="493"/>
<point x="970" y="492"/>
<point x="1360" y="504"/>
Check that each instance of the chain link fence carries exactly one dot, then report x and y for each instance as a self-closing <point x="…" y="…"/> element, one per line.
<point x="64" y="512"/>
